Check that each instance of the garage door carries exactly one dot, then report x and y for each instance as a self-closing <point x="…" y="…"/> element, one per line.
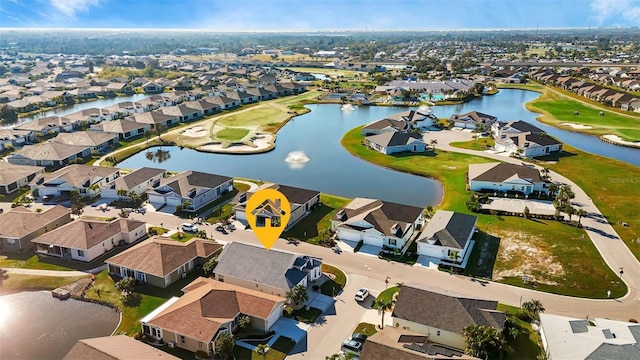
<point x="174" y="201"/>
<point x="156" y="199"/>
<point x="373" y="240"/>
<point x="348" y="235"/>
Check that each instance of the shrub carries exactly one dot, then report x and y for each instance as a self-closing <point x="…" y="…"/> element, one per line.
<point x="288" y="311"/>
<point x="632" y="320"/>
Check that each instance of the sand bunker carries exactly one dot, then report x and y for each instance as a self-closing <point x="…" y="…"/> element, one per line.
<point x="617" y="140"/>
<point x="262" y="143"/>
<point x="196" y="131"/>
<point x="576" y="126"/>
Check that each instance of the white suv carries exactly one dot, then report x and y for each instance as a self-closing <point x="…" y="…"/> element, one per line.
<point x="188" y="227"/>
<point x="362" y="294"/>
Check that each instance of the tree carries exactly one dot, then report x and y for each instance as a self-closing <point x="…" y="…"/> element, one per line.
<point x="4" y="275"/>
<point x="545" y="174"/>
<point x="581" y="213"/>
<point x="224" y="346"/>
<point x="122" y="193"/>
<point x="533" y="307"/>
<point x="383" y="305"/>
<point x="244" y="322"/>
<point x="147" y="135"/>
<point x="159" y="128"/>
<point x="570" y="210"/>
<point x="553" y="188"/>
<point x="433" y="143"/>
<point x="126" y="286"/>
<point x="8" y="114"/>
<point x="297" y="295"/>
<point x="485" y="342"/>
<point x="526" y="212"/>
<point x="511" y="328"/>
<point x="262" y="349"/>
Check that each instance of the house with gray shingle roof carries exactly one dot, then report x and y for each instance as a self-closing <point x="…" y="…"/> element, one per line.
<point x="85" y="179"/>
<point x="447" y="239"/>
<point x="271" y="271"/>
<point x="384" y="126"/>
<point x="124" y="128"/>
<point x="395" y="142"/>
<point x="443" y="317"/>
<point x="13" y="177"/>
<point x="196" y="189"/>
<point x="97" y="141"/>
<point x="378" y="223"/>
<point x="598" y="339"/>
<point x="20" y="225"/>
<point x="137" y="181"/>
<point x="50" y="154"/>
<point x="503" y="177"/>
<point x="118" y="347"/>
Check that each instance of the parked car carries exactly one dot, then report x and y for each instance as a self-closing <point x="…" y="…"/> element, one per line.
<point x="221" y="229"/>
<point x="188" y="227"/>
<point x="362" y="294"/>
<point x="351" y="347"/>
<point x="359" y="337"/>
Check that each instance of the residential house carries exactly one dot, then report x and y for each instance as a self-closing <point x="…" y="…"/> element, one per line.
<point x="519" y="137"/>
<point x="20" y="225"/>
<point x="123" y="128"/>
<point x="417" y="119"/>
<point x="447" y="239"/>
<point x="207" y="309"/>
<point x="13" y="177"/>
<point x="50" y="154"/>
<point x="137" y="181"/>
<point x="118" y="347"/>
<point x="262" y="93"/>
<point x="87" y="180"/>
<point x="11" y="138"/>
<point x="473" y="120"/>
<point x="97" y="141"/>
<point x="566" y="338"/>
<point x="87" y="239"/>
<point x="125" y="108"/>
<point x="194" y="189"/>
<point x="182" y="112"/>
<point x="204" y="107"/>
<point x="272" y="271"/>
<point x="155" y="118"/>
<point x="46" y="126"/>
<point x="396" y="343"/>
<point x="443" y="317"/>
<point x="88" y="116"/>
<point x="379" y="223"/>
<point x="395" y="142"/>
<point x="386" y="125"/>
<point x="302" y="202"/>
<point x="503" y="177"/>
<point x="160" y="261"/>
<point x="242" y="97"/>
<point x="223" y="102"/>
<point x="152" y="88"/>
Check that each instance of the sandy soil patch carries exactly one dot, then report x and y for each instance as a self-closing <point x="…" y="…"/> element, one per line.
<point x="262" y="143"/>
<point x="521" y="255"/>
<point x="196" y="131"/>
<point x="616" y="139"/>
<point x="576" y="126"/>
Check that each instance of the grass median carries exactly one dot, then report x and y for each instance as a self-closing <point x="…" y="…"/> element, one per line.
<point x="580" y="268"/>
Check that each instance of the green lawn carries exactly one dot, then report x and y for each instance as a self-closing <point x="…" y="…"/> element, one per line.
<point x="583" y="267"/>
<point x="483" y="256"/>
<point x="333" y="287"/>
<point x="221" y="213"/>
<point x="307" y="316"/>
<point x="314" y="226"/>
<point x="30" y="261"/>
<point x="20" y="282"/>
<point x="262" y="114"/>
<point x="387" y="294"/>
<point x="365" y="328"/>
<point x="233" y="134"/>
<point x="480" y="144"/>
<point x="241" y="353"/>
<point x="182" y="236"/>
<point x="526" y="346"/>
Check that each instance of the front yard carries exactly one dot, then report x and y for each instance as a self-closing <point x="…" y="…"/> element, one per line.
<point x="315" y="226"/>
<point x="333" y="286"/>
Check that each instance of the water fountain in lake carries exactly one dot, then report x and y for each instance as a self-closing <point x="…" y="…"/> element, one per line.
<point x="348" y="107"/>
<point x="297" y="159"/>
<point x="425" y="109"/>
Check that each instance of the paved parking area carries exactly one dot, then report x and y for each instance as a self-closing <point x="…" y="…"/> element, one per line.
<point x="290" y="328"/>
<point x="540" y="207"/>
<point x="320" y="301"/>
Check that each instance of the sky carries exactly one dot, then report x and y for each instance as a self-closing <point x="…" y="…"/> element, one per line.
<point x="310" y="15"/>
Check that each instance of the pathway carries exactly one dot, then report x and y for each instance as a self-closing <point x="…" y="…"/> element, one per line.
<point x="37" y="272"/>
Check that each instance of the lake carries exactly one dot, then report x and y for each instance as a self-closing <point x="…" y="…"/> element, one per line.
<point x="35" y="325"/>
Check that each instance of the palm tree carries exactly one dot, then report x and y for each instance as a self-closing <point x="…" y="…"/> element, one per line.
<point x="122" y="193"/>
<point x="533" y="307"/>
<point x="4" y="275"/>
<point x="581" y="213"/>
<point x="297" y="295"/>
<point x="433" y="143"/>
<point x="570" y="210"/>
<point x="147" y="135"/>
<point x="553" y="188"/>
<point x="485" y="342"/>
<point x="224" y="345"/>
<point x="383" y="305"/>
<point x="261" y="349"/>
<point x="159" y="128"/>
<point x="545" y="173"/>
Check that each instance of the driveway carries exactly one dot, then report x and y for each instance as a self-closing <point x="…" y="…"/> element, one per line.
<point x="322" y="302"/>
<point x="290" y="328"/>
<point x="540" y="207"/>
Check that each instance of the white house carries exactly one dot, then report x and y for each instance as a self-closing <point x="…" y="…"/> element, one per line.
<point x="192" y="188"/>
<point x="519" y="137"/>
<point x="152" y="88"/>
<point x="13" y="177"/>
<point x="417" y="119"/>
<point x="447" y="238"/>
<point x="443" y="317"/>
<point x="378" y="223"/>
<point x="87" y="239"/>
<point x="138" y="181"/>
<point x="473" y="120"/>
<point x="51" y="154"/>
<point x="272" y="271"/>
<point x="395" y="142"/>
<point x="302" y="202"/>
<point x="386" y="125"/>
<point x="85" y="179"/>
<point x="503" y="177"/>
<point x="565" y="338"/>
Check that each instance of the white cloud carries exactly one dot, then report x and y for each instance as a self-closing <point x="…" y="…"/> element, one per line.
<point x="69" y="8"/>
<point x="616" y="10"/>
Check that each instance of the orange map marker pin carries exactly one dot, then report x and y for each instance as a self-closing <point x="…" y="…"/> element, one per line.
<point x="268" y="212"/>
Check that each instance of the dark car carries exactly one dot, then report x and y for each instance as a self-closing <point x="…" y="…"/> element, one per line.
<point x="359" y="337"/>
<point x="221" y="229"/>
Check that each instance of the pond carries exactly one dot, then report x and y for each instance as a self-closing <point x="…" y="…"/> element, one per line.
<point x="329" y="169"/>
<point x="34" y="325"/>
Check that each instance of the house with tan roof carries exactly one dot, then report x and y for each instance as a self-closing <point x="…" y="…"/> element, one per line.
<point x="87" y="239"/>
<point x="160" y="261"/>
<point x="155" y="118"/>
<point x="193" y="188"/>
<point x="396" y="343"/>
<point x="443" y="317"/>
<point x="123" y="128"/>
<point x="383" y="224"/>
<point x="502" y="177"/>
<point x="20" y="225"/>
<point x="137" y="181"/>
<point x="97" y="141"/>
<point x="85" y="179"/>
<point x="182" y="112"/>
<point x="10" y="138"/>
<point x="447" y="239"/>
<point x="13" y="177"/>
<point x="118" y="347"/>
<point x="46" y="126"/>
<point x="207" y="309"/>
<point x="272" y="271"/>
<point x="50" y="154"/>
